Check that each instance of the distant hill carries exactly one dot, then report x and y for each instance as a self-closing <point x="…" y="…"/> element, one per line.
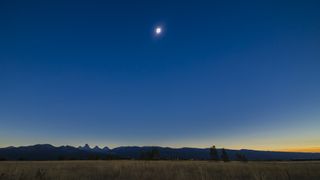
<point x="203" y="154"/>
<point x="49" y="152"/>
<point x="40" y="152"/>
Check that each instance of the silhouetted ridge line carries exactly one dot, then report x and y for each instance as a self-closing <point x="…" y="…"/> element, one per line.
<point x="49" y="152"/>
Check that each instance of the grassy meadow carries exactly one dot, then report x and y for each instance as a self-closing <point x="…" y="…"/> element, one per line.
<point x="158" y="170"/>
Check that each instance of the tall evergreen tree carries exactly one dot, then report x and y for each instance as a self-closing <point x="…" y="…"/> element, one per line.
<point x="214" y="154"/>
<point x="224" y="155"/>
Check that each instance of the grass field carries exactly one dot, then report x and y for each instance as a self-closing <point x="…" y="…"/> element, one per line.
<point x="158" y="170"/>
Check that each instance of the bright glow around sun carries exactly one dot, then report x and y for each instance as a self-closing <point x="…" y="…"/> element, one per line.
<point x="158" y="30"/>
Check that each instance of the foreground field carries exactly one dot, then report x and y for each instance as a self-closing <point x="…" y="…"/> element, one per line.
<point x="158" y="170"/>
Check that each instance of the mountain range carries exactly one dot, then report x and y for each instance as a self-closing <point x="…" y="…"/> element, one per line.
<point x="49" y="152"/>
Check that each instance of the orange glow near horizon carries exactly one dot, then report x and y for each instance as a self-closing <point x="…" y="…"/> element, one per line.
<point x="303" y="149"/>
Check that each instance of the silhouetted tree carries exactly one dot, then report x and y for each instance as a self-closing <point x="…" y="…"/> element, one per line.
<point x="214" y="154"/>
<point x="224" y="156"/>
<point x="241" y="157"/>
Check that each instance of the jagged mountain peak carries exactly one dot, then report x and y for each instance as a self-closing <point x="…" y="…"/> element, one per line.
<point x="96" y="148"/>
<point x="86" y="147"/>
<point x="106" y="148"/>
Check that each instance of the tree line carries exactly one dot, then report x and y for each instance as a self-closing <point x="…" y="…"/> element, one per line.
<point x="214" y="155"/>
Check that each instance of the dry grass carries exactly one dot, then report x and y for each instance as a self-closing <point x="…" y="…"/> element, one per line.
<point x="158" y="170"/>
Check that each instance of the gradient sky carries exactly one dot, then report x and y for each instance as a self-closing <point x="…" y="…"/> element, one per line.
<point x="238" y="74"/>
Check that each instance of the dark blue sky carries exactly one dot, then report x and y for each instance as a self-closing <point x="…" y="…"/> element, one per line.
<point x="232" y="73"/>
